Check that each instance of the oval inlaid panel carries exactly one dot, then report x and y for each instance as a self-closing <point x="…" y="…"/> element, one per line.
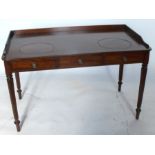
<point x="36" y="47"/>
<point x="114" y="43"/>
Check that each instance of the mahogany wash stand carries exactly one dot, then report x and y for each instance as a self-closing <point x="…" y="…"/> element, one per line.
<point x="70" y="47"/>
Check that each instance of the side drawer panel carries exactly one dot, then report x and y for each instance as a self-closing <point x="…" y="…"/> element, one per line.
<point x="124" y="58"/>
<point x="31" y="65"/>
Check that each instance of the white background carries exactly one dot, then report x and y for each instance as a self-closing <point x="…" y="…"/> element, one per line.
<point x="77" y="10"/>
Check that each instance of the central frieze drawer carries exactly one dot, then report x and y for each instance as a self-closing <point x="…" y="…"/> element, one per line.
<point x="81" y="61"/>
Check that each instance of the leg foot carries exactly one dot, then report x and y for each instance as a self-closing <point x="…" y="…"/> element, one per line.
<point x="138" y="113"/>
<point x="17" y="123"/>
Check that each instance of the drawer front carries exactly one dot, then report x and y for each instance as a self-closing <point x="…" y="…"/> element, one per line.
<point x="28" y="65"/>
<point x="80" y="61"/>
<point x="124" y="58"/>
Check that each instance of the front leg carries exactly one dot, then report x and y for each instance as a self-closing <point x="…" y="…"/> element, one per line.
<point x="13" y="100"/>
<point x="141" y="89"/>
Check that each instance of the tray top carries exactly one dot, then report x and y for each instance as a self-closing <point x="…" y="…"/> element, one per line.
<point x="71" y="41"/>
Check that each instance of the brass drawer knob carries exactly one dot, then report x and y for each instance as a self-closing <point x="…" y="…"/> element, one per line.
<point x="80" y="61"/>
<point x="125" y="59"/>
<point x="34" y="66"/>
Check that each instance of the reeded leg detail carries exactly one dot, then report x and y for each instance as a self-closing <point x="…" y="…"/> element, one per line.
<point x="121" y="67"/>
<point x="141" y="89"/>
<point x="13" y="100"/>
<point x="18" y="85"/>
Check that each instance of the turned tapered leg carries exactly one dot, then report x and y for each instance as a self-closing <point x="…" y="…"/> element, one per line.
<point x="121" y="67"/>
<point x="18" y="85"/>
<point x="13" y="100"/>
<point x="141" y="89"/>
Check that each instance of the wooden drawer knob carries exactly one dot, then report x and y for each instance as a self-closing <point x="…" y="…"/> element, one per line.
<point x="34" y="66"/>
<point x="80" y="61"/>
<point x="125" y="59"/>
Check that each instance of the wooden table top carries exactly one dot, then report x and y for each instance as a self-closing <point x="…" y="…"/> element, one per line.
<point x="72" y="40"/>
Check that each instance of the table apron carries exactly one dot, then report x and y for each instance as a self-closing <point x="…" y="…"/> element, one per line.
<point x="34" y="64"/>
